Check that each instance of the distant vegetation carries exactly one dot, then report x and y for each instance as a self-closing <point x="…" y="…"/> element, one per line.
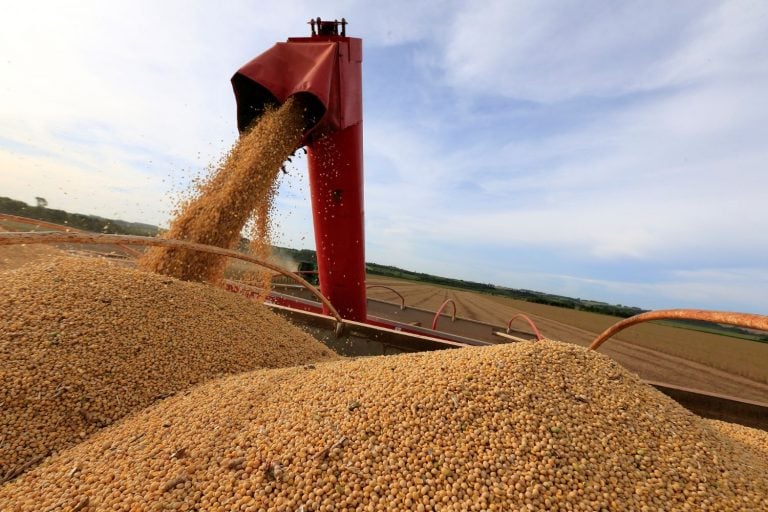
<point x="488" y="288"/>
<point x="76" y="220"/>
<point x="513" y="293"/>
<point x="297" y="255"/>
<point x="120" y="227"/>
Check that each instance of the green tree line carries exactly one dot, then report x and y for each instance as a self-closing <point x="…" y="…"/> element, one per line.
<point x="80" y="221"/>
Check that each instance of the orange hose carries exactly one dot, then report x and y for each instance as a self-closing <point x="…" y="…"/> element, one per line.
<point x="58" y="227"/>
<point x="402" y="299"/>
<point x="539" y="337"/>
<point x="747" y="320"/>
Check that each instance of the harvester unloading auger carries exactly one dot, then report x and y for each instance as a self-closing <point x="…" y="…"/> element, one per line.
<point x="323" y="73"/>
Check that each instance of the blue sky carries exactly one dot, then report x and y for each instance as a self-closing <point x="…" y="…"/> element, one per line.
<point x="605" y="150"/>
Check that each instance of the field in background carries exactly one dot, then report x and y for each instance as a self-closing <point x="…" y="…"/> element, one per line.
<point x="662" y="353"/>
<point x="15" y="256"/>
<point x="733" y="355"/>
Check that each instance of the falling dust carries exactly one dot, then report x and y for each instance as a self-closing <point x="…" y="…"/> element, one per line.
<point x="242" y="188"/>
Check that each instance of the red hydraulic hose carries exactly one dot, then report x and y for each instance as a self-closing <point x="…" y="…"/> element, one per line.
<point x="539" y="337"/>
<point x="402" y="299"/>
<point x="439" y="311"/>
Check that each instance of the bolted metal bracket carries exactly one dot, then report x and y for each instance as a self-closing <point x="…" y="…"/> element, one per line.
<point x="328" y="28"/>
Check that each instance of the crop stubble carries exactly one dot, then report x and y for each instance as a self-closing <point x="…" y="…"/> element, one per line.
<point x="678" y="356"/>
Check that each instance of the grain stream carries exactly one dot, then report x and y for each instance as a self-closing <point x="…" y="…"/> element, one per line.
<point x="84" y="343"/>
<point x="242" y="187"/>
<point x="529" y="426"/>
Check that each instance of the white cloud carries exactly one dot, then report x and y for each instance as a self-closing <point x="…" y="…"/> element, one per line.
<point x="728" y="40"/>
<point x="660" y="179"/>
<point x="137" y="89"/>
<point x="737" y="289"/>
<point x="106" y="107"/>
<point x="110" y="193"/>
<point x="392" y="23"/>
<point x="551" y="51"/>
<point x="145" y="84"/>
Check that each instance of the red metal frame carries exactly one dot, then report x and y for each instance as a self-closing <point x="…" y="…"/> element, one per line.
<point x="440" y="310"/>
<point x="327" y="69"/>
<point x="539" y="337"/>
<point x="402" y="299"/>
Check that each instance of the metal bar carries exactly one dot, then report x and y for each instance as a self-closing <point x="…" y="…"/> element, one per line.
<point x="508" y="336"/>
<point x="50" y="237"/>
<point x="439" y="311"/>
<point x="530" y="322"/>
<point x="716" y="406"/>
<point x="721" y="317"/>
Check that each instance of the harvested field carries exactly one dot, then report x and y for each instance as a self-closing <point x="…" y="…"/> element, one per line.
<point x="661" y="353"/>
<point x="530" y="426"/>
<point x="84" y="343"/>
<point x="16" y="256"/>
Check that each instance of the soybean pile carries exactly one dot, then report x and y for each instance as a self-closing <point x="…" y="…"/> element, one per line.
<point x="242" y="188"/>
<point x="528" y="426"/>
<point x="753" y="440"/>
<point x="84" y="343"/>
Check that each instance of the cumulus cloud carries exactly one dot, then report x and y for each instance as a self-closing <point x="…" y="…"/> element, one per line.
<point x="666" y="169"/>
<point x="553" y="51"/>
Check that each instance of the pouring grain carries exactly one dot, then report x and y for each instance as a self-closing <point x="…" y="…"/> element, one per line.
<point x="243" y="185"/>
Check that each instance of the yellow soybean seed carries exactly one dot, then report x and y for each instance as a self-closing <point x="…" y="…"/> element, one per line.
<point x="84" y="342"/>
<point x="252" y="440"/>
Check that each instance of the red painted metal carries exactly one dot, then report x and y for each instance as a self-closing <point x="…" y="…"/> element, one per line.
<point x="294" y="304"/>
<point x="747" y="320"/>
<point x="402" y="299"/>
<point x="336" y="184"/>
<point x="440" y="310"/>
<point x="539" y="337"/>
<point x="325" y="70"/>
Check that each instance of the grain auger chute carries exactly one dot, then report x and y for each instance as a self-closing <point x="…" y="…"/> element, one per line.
<point x="324" y="72"/>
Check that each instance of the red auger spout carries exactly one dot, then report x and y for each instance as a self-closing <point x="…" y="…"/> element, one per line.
<point x="325" y="71"/>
